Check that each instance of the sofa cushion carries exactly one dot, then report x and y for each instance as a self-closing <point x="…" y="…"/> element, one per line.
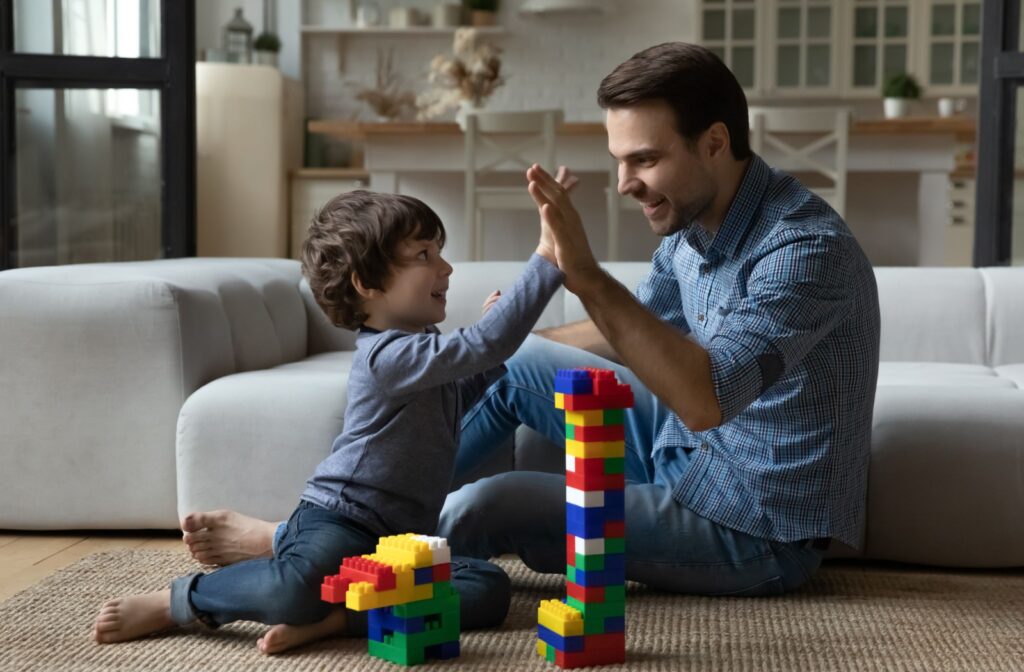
<point x="944" y="485"/>
<point x="249" y="441"/>
<point x="1005" y="314"/>
<point x="932" y="374"/>
<point x="472" y="282"/>
<point x="932" y="315"/>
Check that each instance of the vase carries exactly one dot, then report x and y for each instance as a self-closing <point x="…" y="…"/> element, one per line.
<point x="467" y="105"/>
<point x="895" y="108"/>
<point x="266" y="57"/>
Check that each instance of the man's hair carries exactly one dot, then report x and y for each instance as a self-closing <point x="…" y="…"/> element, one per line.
<point x="694" y="82"/>
<point x="358" y="233"/>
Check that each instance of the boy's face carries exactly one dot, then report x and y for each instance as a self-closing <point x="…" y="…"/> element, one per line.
<point x="414" y="296"/>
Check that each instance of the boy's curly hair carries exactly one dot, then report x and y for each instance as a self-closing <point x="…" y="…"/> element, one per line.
<point x="357" y="233"/>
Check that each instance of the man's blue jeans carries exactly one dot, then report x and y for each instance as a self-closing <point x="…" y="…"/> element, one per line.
<point x="286" y="587"/>
<point x="667" y="546"/>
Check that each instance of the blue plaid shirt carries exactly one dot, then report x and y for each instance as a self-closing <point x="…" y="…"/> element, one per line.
<point x="785" y="303"/>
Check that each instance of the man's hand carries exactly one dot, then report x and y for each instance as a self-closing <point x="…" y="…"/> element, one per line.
<point x="491" y="300"/>
<point x="546" y="246"/>
<point x="561" y="222"/>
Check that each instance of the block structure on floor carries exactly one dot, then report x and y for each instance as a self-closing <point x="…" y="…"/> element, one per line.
<point x="588" y="627"/>
<point x="405" y="586"/>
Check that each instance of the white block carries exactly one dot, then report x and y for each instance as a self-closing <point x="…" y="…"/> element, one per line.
<point x="586" y="498"/>
<point x="570" y="463"/>
<point x="590" y="546"/>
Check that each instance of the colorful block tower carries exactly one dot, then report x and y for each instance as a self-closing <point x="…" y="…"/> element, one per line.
<point x="406" y="586"/>
<point x="588" y="627"/>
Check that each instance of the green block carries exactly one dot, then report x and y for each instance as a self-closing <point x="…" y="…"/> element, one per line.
<point x="434" y="605"/>
<point x="614" y="465"/>
<point x="599" y="610"/>
<point x="614" y="416"/>
<point x="549" y="653"/>
<point x="615" y="593"/>
<point x="396" y="655"/>
<point x="589" y="562"/>
<point x="570" y="431"/>
<point x="614" y="545"/>
<point x="570" y="573"/>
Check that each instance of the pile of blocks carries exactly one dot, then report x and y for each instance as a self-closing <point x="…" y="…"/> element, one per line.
<point x="588" y="627"/>
<point x="406" y="587"/>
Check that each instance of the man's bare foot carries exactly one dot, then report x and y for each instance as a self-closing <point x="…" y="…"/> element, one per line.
<point x="133" y="617"/>
<point x="283" y="637"/>
<point x="225" y="537"/>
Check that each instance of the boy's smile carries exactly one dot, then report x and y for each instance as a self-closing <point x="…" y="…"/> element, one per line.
<point x="415" y="295"/>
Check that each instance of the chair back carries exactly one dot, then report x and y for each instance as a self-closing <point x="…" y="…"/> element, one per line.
<point x="805" y="138"/>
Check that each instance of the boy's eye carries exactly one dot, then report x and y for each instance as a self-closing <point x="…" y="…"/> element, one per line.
<point x="423" y="255"/>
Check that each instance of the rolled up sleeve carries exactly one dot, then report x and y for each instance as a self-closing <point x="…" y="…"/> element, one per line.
<point x="795" y="295"/>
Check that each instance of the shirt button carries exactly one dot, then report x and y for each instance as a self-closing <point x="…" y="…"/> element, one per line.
<point x="703" y="445"/>
<point x="700" y="317"/>
<point x="705" y="269"/>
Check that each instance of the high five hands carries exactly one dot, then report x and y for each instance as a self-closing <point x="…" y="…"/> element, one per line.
<point x="561" y="228"/>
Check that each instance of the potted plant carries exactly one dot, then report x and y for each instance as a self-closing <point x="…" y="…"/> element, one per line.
<point x="266" y="47"/>
<point x="898" y="90"/>
<point x="463" y="80"/>
<point x="482" y="12"/>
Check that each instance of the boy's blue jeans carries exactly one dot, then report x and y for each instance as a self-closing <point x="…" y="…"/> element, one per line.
<point x="667" y="546"/>
<point x="286" y="587"/>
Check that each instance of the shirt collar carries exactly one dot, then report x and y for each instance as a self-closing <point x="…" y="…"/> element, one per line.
<point x="728" y="241"/>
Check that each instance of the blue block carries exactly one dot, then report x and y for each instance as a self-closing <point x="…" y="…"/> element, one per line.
<point x="586" y="522"/>
<point x="615" y="624"/>
<point x="423" y="575"/>
<point x="570" y="644"/>
<point x="442" y="651"/>
<point x="384" y="620"/>
<point x="615" y="562"/>
<point x="600" y="577"/>
<point x="615" y="504"/>
<point x="573" y="381"/>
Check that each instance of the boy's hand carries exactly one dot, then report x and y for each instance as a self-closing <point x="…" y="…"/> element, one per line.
<point x="561" y="223"/>
<point x="491" y="300"/>
<point x="546" y="246"/>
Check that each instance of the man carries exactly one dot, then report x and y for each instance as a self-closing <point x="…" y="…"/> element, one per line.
<point x="751" y="348"/>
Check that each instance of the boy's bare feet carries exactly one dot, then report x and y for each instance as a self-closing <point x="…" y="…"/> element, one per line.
<point x="284" y="637"/>
<point x="133" y="617"/>
<point x="224" y="537"/>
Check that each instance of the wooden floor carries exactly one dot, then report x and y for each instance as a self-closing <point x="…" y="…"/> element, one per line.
<point x="28" y="557"/>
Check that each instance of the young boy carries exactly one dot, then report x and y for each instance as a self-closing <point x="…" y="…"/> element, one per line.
<point x="373" y="262"/>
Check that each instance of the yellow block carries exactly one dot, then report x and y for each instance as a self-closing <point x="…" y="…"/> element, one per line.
<point x="361" y="596"/>
<point x="403" y="549"/>
<point x="542" y="648"/>
<point x="585" y="418"/>
<point x="559" y="617"/>
<point x="559" y="400"/>
<point x="586" y="449"/>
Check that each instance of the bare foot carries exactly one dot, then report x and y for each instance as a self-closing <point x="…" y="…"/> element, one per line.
<point x="225" y="537"/>
<point x="133" y="617"/>
<point x="283" y="637"/>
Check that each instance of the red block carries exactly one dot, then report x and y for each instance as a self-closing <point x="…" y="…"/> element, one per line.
<point x="570" y="550"/>
<point x="442" y="572"/>
<point x="363" y="569"/>
<point x="333" y="589"/>
<point x="584" y="593"/>
<point x="584" y="481"/>
<point x="599" y="433"/>
<point x="590" y="402"/>
<point x="591" y="466"/>
<point x="614" y="529"/>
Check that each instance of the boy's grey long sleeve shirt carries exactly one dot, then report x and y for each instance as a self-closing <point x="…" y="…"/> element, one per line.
<point x="391" y="467"/>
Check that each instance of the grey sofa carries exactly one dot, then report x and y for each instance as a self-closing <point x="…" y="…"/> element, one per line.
<point x="133" y="393"/>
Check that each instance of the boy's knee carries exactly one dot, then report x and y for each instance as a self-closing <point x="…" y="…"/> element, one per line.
<point x="485" y="590"/>
<point x="472" y="506"/>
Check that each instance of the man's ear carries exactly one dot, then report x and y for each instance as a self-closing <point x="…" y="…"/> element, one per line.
<point x="362" y="290"/>
<point x="717" y="140"/>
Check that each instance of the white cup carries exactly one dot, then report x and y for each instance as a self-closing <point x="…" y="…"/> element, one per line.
<point x="946" y="107"/>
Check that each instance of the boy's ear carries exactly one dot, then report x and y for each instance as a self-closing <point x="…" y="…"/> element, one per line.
<point x="363" y="291"/>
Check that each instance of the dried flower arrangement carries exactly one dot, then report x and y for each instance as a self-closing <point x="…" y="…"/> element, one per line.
<point x="471" y="74"/>
<point x="388" y="99"/>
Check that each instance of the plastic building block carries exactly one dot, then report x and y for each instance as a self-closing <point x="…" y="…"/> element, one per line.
<point x="589" y="449"/>
<point x="560" y="618"/>
<point x="582" y="481"/>
<point x="382" y="576"/>
<point x="595" y="433"/>
<point x="573" y="381"/>
<point x="608" y="416"/>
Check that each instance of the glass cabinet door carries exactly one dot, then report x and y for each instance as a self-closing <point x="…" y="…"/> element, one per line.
<point x="804" y="35"/>
<point x="730" y="29"/>
<point x="953" y="44"/>
<point x="879" y="35"/>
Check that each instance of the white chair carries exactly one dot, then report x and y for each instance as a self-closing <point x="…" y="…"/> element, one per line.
<point x="494" y="139"/>
<point x="786" y="130"/>
<point x="616" y="203"/>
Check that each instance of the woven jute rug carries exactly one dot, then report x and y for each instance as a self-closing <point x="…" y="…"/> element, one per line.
<point x="850" y="617"/>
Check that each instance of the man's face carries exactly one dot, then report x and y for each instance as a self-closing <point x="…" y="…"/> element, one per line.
<point x="658" y="167"/>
